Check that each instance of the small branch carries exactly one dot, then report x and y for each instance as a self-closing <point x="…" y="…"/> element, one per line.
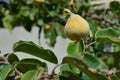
<point x="103" y="20"/>
<point x="4" y="58"/>
<point x="18" y="76"/>
<point x="88" y="46"/>
<point x="18" y="72"/>
<point x="82" y="57"/>
<point x="73" y="4"/>
<point x="53" y="71"/>
<point x="3" y="62"/>
<point x="39" y="35"/>
<point x="52" y="75"/>
<point x="8" y="55"/>
<point x="45" y="77"/>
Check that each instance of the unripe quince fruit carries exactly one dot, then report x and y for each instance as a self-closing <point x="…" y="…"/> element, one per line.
<point x="76" y="27"/>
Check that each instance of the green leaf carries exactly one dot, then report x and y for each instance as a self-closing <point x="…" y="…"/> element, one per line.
<point x="40" y="22"/>
<point x="29" y="1"/>
<point x="100" y="46"/>
<point x="116" y="60"/>
<point x="118" y="74"/>
<point x="115" y="55"/>
<point x="30" y="75"/>
<point x="34" y="74"/>
<point x="4" y="71"/>
<point x="75" y="62"/>
<point x="35" y="61"/>
<point x="59" y="29"/>
<point x="63" y="78"/>
<point x="33" y="13"/>
<point x="85" y="77"/>
<point x="65" y="67"/>
<point x="30" y="64"/>
<point x="115" y="6"/>
<point x="28" y="24"/>
<point x="75" y="49"/>
<point x="26" y="66"/>
<point x="75" y="69"/>
<point x="24" y="11"/>
<point x="35" y="50"/>
<point x="116" y="48"/>
<point x="94" y="62"/>
<point x="114" y="77"/>
<point x="9" y="21"/>
<point x="52" y="35"/>
<point x="12" y="58"/>
<point x="94" y="75"/>
<point x="52" y="13"/>
<point x="108" y="35"/>
<point x="71" y="75"/>
<point x="93" y="24"/>
<point x="69" y="68"/>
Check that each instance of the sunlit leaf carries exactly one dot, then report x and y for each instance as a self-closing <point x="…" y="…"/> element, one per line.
<point x="30" y="75"/>
<point x="33" y="13"/>
<point x="75" y="49"/>
<point x="4" y="71"/>
<point x="72" y="75"/>
<point x="109" y="35"/>
<point x="116" y="48"/>
<point x="35" y="50"/>
<point x="29" y="1"/>
<point x="94" y="62"/>
<point x="85" y="77"/>
<point x="24" y="11"/>
<point x="8" y="22"/>
<point x="65" y="67"/>
<point x="40" y="22"/>
<point x="52" y="13"/>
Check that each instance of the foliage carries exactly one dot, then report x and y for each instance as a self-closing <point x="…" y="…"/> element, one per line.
<point x="97" y="62"/>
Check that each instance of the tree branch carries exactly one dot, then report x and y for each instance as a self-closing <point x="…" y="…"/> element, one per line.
<point x="102" y="20"/>
<point x="52" y="75"/>
<point x="88" y="46"/>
